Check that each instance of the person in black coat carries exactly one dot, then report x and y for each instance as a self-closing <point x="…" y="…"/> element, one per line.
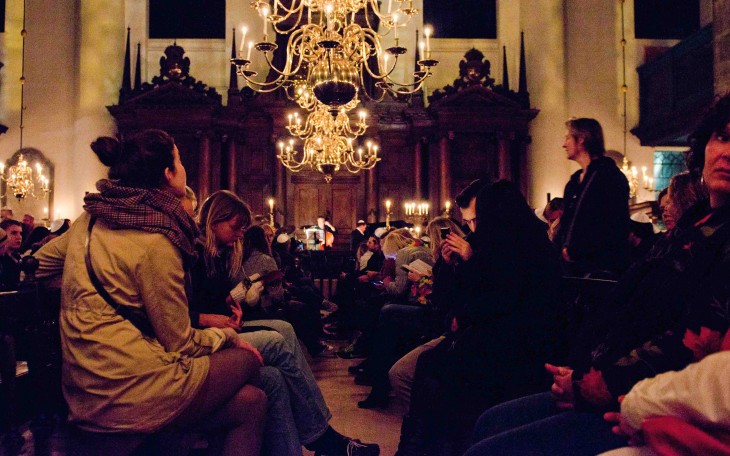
<point x="594" y="227"/>
<point x="505" y="304"/>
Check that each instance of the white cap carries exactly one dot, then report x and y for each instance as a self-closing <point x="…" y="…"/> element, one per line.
<point x="283" y="238"/>
<point x="379" y="232"/>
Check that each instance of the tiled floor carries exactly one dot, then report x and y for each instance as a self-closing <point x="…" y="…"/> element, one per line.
<point x="341" y="394"/>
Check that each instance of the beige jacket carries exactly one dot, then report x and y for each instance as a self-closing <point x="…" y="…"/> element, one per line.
<point x="115" y="379"/>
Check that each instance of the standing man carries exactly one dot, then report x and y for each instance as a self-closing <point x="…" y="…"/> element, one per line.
<point x="6" y="213"/>
<point x="594" y="227"/>
<point x="358" y="236"/>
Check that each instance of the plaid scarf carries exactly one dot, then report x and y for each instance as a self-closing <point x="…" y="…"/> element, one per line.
<point x="151" y="210"/>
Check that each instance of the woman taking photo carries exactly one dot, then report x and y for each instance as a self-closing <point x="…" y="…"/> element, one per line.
<point x="131" y="362"/>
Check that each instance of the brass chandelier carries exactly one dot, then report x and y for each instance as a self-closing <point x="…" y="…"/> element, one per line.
<point x="330" y="52"/>
<point x="329" y="141"/>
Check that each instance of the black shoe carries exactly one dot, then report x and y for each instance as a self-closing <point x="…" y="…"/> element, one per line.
<point x="375" y="400"/>
<point x="357" y="369"/>
<point x="357" y="448"/>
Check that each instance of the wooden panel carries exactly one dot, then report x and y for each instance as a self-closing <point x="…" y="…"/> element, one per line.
<point x="344" y="210"/>
<point x="398" y="194"/>
<point x="309" y="203"/>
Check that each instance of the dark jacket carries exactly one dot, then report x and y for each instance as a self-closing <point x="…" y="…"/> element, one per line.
<point x="595" y="225"/>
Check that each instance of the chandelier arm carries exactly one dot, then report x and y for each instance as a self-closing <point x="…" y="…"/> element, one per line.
<point x="299" y="10"/>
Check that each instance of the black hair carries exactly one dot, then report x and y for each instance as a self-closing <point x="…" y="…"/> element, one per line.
<point x="138" y="161"/>
<point x="713" y="122"/>
<point x="470" y="192"/>
<point x="591" y="132"/>
<point x="5" y="224"/>
<point x="255" y="239"/>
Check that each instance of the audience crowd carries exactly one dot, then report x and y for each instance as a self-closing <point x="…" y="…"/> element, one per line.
<point x="572" y="329"/>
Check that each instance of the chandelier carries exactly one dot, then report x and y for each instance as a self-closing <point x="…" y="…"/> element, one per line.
<point x="330" y="52"/>
<point x="329" y="142"/>
<point x="19" y="179"/>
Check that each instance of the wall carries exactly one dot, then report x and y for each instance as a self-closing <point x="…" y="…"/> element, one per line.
<point x="721" y="31"/>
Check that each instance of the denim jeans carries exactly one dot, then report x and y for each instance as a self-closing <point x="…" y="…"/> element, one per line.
<point x="534" y="426"/>
<point x="308" y="415"/>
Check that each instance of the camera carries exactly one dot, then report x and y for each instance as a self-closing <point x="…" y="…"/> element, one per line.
<point x="445" y="231"/>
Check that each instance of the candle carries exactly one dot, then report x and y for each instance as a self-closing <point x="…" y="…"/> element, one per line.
<point x="428" y="31"/>
<point x="276" y="6"/>
<point x="2" y="168"/>
<point x="265" y="14"/>
<point x="418" y="231"/>
<point x="390" y="5"/>
<point x="45" y="211"/>
<point x="271" y="204"/>
<point x="250" y="46"/>
<point x="395" y="26"/>
<point x="421" y="49"/>
<point x="244" y="30"/>
<point x="387" y="205"/>
<point x="448" y="206"/>
<point x="328" y="8"/>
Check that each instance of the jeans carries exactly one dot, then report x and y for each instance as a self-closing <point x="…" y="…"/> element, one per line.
<point x="308" y="415"/>
<point x="534" y="426"/>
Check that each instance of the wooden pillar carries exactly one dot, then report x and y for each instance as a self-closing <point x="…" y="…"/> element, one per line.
<point x="371" y="194"/>
<point x="445" y="168"/>
<point x="231" y="157"/>
<point x="418" y="170"/>
<point x="280" y="190"/>
<point x="204" y="170"/>
<point x="503" y="153"/>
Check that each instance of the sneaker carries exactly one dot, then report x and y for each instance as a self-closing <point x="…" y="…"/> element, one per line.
<point x="351" y="352"/>
<point x="357" y="448"/>
<point x="326" y="351"/>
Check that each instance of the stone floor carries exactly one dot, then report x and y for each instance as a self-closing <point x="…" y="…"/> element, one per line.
<point x="341" y="394"/>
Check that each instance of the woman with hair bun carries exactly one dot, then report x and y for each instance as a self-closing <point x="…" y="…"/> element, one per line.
<point x="132" y="364"/>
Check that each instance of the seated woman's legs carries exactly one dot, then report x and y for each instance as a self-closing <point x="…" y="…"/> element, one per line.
<point x="402" y="373"/>
<point x="309" y="409"/>
<point x="227" y="402"/>
<point x="280" y="432"/>
<point x="399" y="328"/>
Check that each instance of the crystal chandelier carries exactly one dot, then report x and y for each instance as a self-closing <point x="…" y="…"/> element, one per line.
<point x="329" y="142"/>
<point x="19" y="179"/>
<point x="329" y="51"/>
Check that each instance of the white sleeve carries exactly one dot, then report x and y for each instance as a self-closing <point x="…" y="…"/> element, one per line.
<point x="699" y="394"/>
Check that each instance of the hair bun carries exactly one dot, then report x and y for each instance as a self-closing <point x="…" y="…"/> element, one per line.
<point x="108" y="150"/>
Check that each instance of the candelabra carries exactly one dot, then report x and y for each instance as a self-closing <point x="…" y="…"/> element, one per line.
<point x="20" y="181"/>
<point x="417" y="213"/>
<point x="331" y="51"/>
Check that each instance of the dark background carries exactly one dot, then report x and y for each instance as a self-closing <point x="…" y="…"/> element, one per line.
<point x="461" y="18"/>
<point x="666" y="19"/>
<point x="187" y="19"/>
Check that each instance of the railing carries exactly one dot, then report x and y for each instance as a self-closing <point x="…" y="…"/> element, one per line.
<point x="674" y="91"/>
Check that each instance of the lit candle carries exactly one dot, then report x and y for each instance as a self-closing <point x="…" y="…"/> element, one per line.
<point x="390" y="5"/>
<point x="375" y="151"/>
<point x="421" y="49"/>
<point x="651" y="183"/>
<point x="427" y="30"/>
<point x="250" y="46"/>
<point x="2" y="168"/>
<point x="45" y="212"/>
<point x="387" y="205"/>
<point x="271" y="204"/>
<point x="244" y="30"/>
<point x="425" y="208"/>
<point x="328" y="8"/>
<point x="395" y="26"/>
<point x="448" y="206"/>
<point x="418" y="231"/>
<point x="359" y="153"/>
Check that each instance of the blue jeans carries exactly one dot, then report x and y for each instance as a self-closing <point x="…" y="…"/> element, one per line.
<point x="298" y="413"/>
<point x="534" y="426"/>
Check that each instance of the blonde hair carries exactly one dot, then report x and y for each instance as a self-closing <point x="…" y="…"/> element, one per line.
<point x="434" y="232"/>
<point x="396" y="240"/>
<point x="222" y="206"/>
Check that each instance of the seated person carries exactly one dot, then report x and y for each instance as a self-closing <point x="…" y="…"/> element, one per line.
<point x="10" y="259"/>
<point x="667" y="316"/>
<point x="298" y="414"/>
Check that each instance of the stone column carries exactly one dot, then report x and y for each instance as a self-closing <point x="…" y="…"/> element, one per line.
<point x="721" y="40"/>
<point x="371" y="195"/>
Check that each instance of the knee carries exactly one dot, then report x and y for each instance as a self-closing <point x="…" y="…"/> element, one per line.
<point x="272" y="381"/>
<point x="250" y="404"/>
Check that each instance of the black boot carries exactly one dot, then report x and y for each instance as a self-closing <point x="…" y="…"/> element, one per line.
<point x="413" y="440"/>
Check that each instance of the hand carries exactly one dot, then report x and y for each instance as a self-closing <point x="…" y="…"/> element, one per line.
<point x="622" y="428"/>
<point x="236" y="314"/>
<point x="414" y="276"/>
<point x="387" y="281"/>
<point x="456" y="244"/>
<point x="363" y="279"/>
<point x="217" y="321"/>
<point x="562" y="388"/>
<point x="232" y="340"/>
